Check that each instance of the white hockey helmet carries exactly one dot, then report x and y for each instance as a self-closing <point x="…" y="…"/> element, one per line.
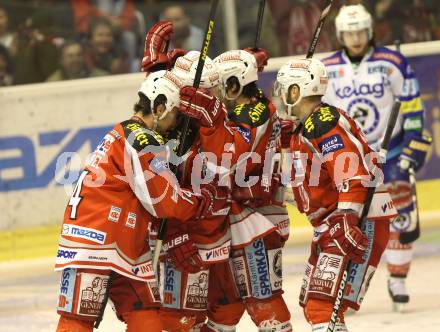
<point x="239" y="64"/>
<point x="186" y="66"/>
<point x="165" y="83"/>
<point x="309" y="74"/>
<point x="353" y="18"/>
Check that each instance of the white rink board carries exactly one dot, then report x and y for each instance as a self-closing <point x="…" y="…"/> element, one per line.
<point x="30" y="118"/>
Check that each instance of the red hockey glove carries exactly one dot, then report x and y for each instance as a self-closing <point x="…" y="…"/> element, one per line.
<point x="257" y="195"/>
<point x="183" y="253"/>
<point x="287" y="127"/>
<point x="156" y="43"/>
<point x="261" y="55"/>
<point x="173" y="55"/>
<point x="346" y="234"/>
<point x="201" y="105"/>
<point x="215" y="201"/>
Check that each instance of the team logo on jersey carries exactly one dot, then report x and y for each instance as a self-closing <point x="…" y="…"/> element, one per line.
<point x="331" y="144"/>
<point x="131" y="220"/>
<point x="401" y="223"/>
<point x="365" y="113"/>
<point x="114" y="214"/>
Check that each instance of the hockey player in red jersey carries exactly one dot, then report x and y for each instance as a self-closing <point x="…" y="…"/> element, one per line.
<point x="125" y="186"/>
<point x="185" y="277"/>
<point x="259" y="223"/>
<point x="192" y="248"/>
<point x="331" y="165"/>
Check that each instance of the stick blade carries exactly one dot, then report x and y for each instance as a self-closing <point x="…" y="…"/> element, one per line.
<point x="409" y="237"/>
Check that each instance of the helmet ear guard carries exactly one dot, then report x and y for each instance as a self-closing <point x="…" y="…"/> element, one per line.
<point x="309" y="75"/>
<point x="353" y="18"/>
<point x="239" y="64"/>
<point x="157" y="84"/>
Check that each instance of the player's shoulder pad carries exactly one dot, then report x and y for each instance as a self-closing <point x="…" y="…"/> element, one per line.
<point x="139" y="136"/>
<point x="390" y="56"/>
<point x="320" y="122"/>
<point x="253" y="114"/>
<point x="334" y="59"/>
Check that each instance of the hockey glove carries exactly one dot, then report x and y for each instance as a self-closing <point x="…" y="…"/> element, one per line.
<point x="287" y="127"/>
<point x="346" y="235"/>
<point x="183" y="253"/>
<point x="201" y="105"/>
<point x="261" y="55"/>
<point x="215" y="201"/>
<point x="415" y="151"/>
<point x="257" y="195"/>
<point x="156" y="43"/>
<point x="173" y="55"/>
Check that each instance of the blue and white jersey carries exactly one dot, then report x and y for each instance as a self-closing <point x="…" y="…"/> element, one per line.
<point x="367" y="92"/>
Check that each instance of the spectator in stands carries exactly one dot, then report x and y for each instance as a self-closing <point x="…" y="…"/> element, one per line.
<point x="72" y="64"/>
<point x="126" y="21"/>
<point x="406" y="20"/>
<point x="37" y="55"/>
<point x="6" y="37"/>
<point x="6" y="78"/>
<point x="102" y="52"/>
<point x="296" y="22"/>
<point x="185" y="35"/>
<point x="247" y="23"/>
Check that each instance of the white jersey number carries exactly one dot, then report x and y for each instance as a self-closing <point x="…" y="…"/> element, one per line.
<point x="75" y="199"/>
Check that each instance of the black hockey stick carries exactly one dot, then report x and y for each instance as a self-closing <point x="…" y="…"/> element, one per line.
<point x="180" y="152"/>
<point x="370" y="193"/>
<point x="105" y="300"/>
<point x="397" y="45"/>
<point x="318" y="29"/>
<point x="259" y="23"/>
<point x="412" y="234"/>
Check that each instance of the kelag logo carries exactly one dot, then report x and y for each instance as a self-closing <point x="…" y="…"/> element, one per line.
<point x="22" y="153"/>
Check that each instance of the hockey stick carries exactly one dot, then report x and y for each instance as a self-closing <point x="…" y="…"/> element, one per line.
<point x="397" y="45"/>
<point x="412" y="235"/>
<point x="370" y="193"/>
<point x="318" y="29"/>
<point x="259" y="23"/>
<point x="180" y="152"/>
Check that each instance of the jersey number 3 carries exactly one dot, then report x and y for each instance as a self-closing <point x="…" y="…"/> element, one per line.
<point x="75" y="199"/>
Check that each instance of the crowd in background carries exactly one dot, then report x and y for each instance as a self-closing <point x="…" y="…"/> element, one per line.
<point x="53" y="40"/>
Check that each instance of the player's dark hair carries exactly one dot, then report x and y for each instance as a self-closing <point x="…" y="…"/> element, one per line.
<point x="249" y="90"/>
<point x="143" y="105"/>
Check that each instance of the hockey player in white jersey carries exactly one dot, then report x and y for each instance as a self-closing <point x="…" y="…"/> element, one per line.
<point x="364" y="80"/>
